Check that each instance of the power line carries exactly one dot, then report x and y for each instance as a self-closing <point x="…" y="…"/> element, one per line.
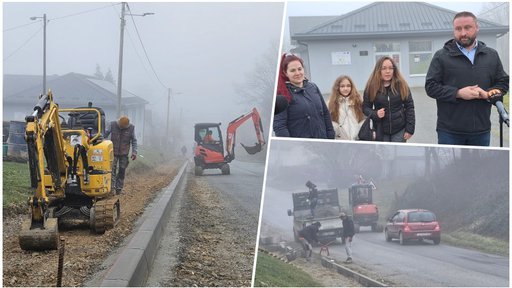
<point x="61" y="17"/>
<point x="145" y="52"/>
<point x="22" y="45"/>
<point x="83" y="12"/>
<point x="20" y="26"/>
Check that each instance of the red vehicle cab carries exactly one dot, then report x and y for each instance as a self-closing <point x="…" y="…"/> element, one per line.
<point x="413" y="224"/>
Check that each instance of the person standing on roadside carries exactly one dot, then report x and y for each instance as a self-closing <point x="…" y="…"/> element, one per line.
<point x="463" y="77"/>
<point x="122" y="134"/>
<point x="348" y="235"/>
<point x="308" y="236"/>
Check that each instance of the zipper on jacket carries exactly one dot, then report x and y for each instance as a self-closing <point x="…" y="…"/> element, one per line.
<point x="389" y="107"/>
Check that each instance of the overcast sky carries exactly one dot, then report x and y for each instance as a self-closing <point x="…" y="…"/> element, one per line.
<point x="198" y="49"/>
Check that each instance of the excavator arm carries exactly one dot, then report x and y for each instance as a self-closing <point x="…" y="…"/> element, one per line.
<point x="44" y="142"/>
<point x="231" y="135"/>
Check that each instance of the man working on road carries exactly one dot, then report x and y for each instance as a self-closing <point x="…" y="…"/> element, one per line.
<point x="348" y="234"/>
<point x="122" y="134"/>
<point x="313" y="197"/>
<point x="462" y="77"/>
<point x="308" y="235"/>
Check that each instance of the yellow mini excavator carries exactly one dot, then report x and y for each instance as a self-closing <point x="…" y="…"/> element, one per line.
<point x="70" y="172"/>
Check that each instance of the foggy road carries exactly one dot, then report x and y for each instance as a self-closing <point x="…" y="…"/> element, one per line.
<point x="243" y="185"/>
<point x="426" y="264"/>
<point x="415" y="264"/>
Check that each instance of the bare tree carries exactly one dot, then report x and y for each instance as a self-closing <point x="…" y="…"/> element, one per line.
<point x="258" y="89"/>
<point x="499" y="12"/>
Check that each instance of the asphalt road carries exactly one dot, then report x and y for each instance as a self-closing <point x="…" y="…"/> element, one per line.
<point x="426" y="118"/>
<point x="243" y="185"/>
<point x="426" y="264"/>
<point x="415" y="264"/>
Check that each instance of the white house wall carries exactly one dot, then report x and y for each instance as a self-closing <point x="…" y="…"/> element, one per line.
<point x="323" y="73"/>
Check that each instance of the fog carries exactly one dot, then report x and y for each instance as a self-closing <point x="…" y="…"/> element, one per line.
<point x="202" y="51"/>
<point x="405" y="176"/>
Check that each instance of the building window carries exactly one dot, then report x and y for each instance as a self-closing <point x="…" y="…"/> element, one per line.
<point x="391" y="49"/>
<point x="420" y="54"/>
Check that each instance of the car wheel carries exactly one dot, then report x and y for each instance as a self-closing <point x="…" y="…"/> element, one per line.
<point x="386" y="234"/>
<point x="437" y="241"/>
<point x="401" y="236"/>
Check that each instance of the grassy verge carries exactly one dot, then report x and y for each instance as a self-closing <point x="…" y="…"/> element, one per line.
<point x="271" y="272"/>
<point x="16" y="176"/>
<point x="16" y="183"/>
<point x="475" y="241"/>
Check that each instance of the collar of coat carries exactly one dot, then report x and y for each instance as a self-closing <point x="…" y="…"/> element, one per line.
<point x="453" y="50"/>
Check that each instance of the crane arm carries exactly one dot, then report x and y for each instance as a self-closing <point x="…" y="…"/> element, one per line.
<point x="231" y="134"/>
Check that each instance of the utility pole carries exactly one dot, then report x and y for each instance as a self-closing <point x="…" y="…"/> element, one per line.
<point x="120" y="70"/>
<point x="44" y="54"/>
<point x="121" y="40"/>
<point x="168" y="112"/>
<point x="44" y="50"/>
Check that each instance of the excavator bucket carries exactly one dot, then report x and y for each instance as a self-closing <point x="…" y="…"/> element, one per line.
<point x="252" y="149"/>
<point x="39" y="239"/>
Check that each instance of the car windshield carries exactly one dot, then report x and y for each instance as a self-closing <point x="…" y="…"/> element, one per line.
<point x="421" y="216"/>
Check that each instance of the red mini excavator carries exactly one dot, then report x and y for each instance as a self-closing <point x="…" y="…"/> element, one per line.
<point x="209" y="150"/>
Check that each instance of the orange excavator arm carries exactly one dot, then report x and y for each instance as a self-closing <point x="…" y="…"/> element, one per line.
<point x="231" y="134"/>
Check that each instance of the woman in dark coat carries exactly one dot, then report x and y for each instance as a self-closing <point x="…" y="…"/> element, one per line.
<point x="307" y="115"/>
<point x="388" y="101"/>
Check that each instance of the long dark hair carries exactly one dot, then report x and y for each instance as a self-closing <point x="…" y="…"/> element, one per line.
<point x="375" y="83"/>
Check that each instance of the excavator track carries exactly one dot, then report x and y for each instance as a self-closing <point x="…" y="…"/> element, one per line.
<point x="106" y="215"/>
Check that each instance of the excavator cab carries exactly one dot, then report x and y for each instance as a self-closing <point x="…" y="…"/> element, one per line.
<point x="209" y="150"/>
<point x="364" y="211"/>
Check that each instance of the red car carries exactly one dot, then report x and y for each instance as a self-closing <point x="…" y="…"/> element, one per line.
<point x="413" y="224"/>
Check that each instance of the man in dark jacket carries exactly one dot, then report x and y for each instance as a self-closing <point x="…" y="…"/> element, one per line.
<point x="313" y="197"/>
<point x="462" y="77"/>
<point x="308" y="235"/>
<point x="348" y="234"/>
<point x="122" y="134"/>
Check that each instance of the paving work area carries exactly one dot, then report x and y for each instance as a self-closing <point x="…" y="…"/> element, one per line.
<point x="84" y="252"/>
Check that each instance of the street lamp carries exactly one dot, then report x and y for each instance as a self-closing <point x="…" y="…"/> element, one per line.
<point x="44" y="49"/>
<point x="120" y="70"/>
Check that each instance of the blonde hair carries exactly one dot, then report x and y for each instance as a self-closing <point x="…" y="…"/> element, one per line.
<point x="375" y="83"/>
<point x="354" y="96"/>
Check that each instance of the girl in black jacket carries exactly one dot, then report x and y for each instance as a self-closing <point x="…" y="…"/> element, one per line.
<point x="388" y="101"/>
